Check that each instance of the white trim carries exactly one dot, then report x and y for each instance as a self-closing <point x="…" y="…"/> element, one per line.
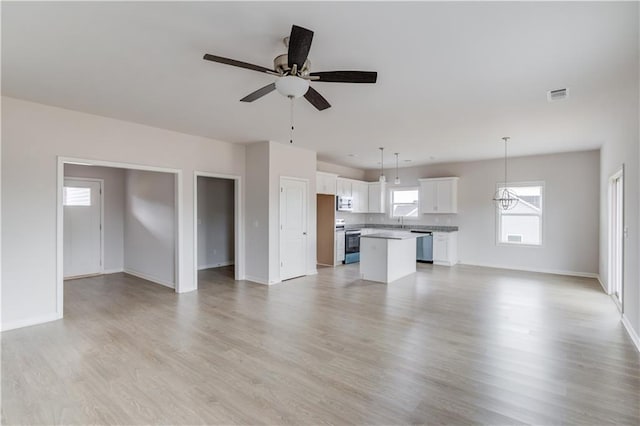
<point x="112" y="271"/>
<point x="313" y="272"/>
<point x="216" y="265"/>
<point x="239" y="251"/>
<point x="258" y="280"/>
<point x="632" y="333"/>
<point x="619" y="174"/>
<point x="30" y="321"/>
<point x="101" y="182"/>
<point x="604" y="287"/>
<point x="61" y="160"/>
<point x="147" y="277"/>
<point x="538" y="270"/>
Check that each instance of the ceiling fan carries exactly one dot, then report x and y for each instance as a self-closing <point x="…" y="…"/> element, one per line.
<point x="293" y="70"/>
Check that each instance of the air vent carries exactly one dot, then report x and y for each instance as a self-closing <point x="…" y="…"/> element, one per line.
<point x="557" y="95"/>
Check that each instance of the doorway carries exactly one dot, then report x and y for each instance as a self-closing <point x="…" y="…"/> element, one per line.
<point x="217" y="218"/>
<point x="82" y="202"/>
<point x="293" y="227"/>
<point x="616" y="236"/>
<point x="146" y="221"/>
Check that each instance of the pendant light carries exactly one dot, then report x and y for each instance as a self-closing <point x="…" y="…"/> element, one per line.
<point x="382" y="178"/>
<point x="505" y="199"/>
<point x="397" y="180"/>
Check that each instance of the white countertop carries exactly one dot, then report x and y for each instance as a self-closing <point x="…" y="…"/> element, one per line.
<point x="394" y="235"/>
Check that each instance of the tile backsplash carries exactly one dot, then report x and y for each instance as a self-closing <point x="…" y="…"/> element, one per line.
<point x="430" y="219"/>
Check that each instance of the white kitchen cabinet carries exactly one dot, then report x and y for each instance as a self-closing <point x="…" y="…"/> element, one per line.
<point x="376" y="197"/>
<point x="344" y="187"/>
<point x="339" y="241"/>
<point x="445" y="248"/>
<point x="360" y="191"/>
<point x="439" y="195"/>
<point x="326" y="183"/>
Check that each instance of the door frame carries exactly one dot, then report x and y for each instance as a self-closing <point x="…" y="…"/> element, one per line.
<point x="238" y="219"/>
<point x="306" y="207"/>
<point x="619" y="174"/>
<point x="178" y="255"/>
<point x="101" y="181"/>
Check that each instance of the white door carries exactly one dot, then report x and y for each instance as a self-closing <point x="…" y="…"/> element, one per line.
<point x="293" y="228"/>
<point x="82" y="204"/>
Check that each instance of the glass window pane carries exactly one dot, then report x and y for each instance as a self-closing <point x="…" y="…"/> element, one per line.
<point x="405" y="196"/>
<point x="406" y="210"/>
<point x="520" y="229"/>
<point x="74" y="196"/>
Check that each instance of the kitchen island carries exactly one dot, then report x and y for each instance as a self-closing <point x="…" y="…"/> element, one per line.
<point x="387" y="256"/>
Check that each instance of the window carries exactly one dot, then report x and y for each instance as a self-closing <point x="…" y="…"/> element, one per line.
<point x="74" y="196"/>
<point x="404" y="202"/>
<point x="522" y="225"/>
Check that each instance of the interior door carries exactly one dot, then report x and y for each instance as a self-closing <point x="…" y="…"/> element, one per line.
<point x="82" y="209"/>
<point x="293" y="228"/>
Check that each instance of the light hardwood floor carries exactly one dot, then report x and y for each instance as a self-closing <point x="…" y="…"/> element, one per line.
<point x="447" y="346"/>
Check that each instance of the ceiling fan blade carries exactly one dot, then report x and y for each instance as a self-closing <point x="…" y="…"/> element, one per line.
<point x="299" y="45"/>
<point x="259" y="93"/>
<point x="346" y="76"/>
<point x="235" y="63"/>
<point x="316" y="99"/>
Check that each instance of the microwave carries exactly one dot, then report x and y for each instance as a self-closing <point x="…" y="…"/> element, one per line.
<point x="344" y="204"/>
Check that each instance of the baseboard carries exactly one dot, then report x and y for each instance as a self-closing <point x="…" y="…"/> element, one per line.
<point x="149" y="278"/>
<point x="541" y="271"/>
<point x="216" y="265"/>
<point x="256" y="280"/>
<point x="313" y="272"/>
<point x="112" y="271"/>
<point x="632" y="333"/>
<point x="602" y="285"/>
<point x="30" y="321"/>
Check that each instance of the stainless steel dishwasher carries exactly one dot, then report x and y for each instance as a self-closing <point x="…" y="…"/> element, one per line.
<point x="424" y="246"/>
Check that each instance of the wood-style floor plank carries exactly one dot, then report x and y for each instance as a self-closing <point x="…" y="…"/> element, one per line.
<point x="461" y="345"/>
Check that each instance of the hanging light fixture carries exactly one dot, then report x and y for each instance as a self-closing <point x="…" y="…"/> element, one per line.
<point x="504" y="198"/>
<point x="382" y="178"/>
<point x="397" y="179"/>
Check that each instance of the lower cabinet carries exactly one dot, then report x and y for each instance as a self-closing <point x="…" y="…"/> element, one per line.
<point x="339" y="247"/>
<point x="445" y="248"/>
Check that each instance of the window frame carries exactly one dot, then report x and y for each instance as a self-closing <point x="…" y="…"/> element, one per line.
<point x="391" y="203"/>
<point x="541" y="215"/>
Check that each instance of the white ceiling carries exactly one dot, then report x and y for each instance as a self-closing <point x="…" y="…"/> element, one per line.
<point x="452" y="77"/>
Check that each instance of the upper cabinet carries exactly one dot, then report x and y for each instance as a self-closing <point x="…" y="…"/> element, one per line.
<point x="344" y="188"/>
<point x="360" y="194"/>
<point x="376" y="197"/>
<point x="326" y="183"/>
<point x="439" y="195"/>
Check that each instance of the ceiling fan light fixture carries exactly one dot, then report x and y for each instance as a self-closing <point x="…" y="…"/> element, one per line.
<point x="291" y="86"/>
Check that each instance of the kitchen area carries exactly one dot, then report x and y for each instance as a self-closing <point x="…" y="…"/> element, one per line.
<point x="352" y="214"/>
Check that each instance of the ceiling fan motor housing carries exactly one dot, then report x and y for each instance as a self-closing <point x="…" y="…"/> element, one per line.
<point x="281" y="66"/>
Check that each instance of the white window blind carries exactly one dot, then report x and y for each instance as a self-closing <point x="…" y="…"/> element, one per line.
<point x="76" y="196"/>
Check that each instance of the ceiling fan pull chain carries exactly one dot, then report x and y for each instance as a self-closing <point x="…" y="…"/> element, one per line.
<point x="291" y="134"/>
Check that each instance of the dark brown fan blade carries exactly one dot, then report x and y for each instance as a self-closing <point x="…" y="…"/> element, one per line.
<point x="235" y="63"/>
<point x="346" y="76"/>
<point x="259" y="93"/>
<point x="299" y="45"/>
<point x="316" y="99"/>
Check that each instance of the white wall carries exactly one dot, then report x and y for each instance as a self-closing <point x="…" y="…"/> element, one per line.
<point x="33" y="135"/>
<point x="290" y="161"/>
<point x="621" y="148"/>
<point x="257" y="212"/>
<point x="150" y="226"/>
<point x="343" y="171"/>
<point x="113" y="194"/>
<point x="215" y="222"/>
<point x="571" y="210"/>
<point x="266" y="163"/>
